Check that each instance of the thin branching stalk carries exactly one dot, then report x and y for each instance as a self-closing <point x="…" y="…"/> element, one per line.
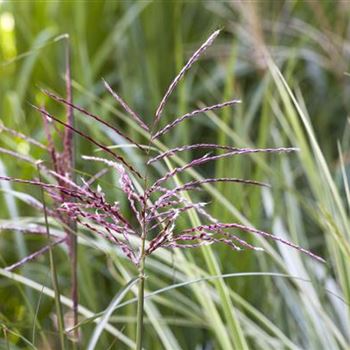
<point x="192" y="114"/>
<point x="70" y="105"/>
<point x="126" y="107"/>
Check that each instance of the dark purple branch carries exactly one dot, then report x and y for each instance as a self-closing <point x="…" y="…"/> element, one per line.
<point x="99" y="119"/>
<point x="104" y="148"/>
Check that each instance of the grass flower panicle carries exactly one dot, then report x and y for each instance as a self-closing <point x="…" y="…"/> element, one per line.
<point x="154" y="204"/>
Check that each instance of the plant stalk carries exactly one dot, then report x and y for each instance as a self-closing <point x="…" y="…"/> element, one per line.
<point x="69" y="150"/>
<point x="60" y="319"/>
<point x="140" y="297"/>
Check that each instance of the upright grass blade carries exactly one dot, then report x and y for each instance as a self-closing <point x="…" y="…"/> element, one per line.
<point x="67" y="302"/>
<point x="108" y="312"/>
<point x="236" y="333"/>
<point x="141" y="285"/>
<point x="333" y="218"/>
<point x="15" y="334"/>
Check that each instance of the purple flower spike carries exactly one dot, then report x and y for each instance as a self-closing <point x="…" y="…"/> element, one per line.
<point x="156" y="208"/>
<point x="187" y="66"/>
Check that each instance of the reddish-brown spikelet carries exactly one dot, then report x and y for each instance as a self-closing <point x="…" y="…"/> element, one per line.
<point x="187" y="66"/>
<point x="192" y="114"/>
<point x="221" y="226"/>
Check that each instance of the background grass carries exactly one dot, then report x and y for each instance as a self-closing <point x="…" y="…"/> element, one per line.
<point x="298" y="98"/>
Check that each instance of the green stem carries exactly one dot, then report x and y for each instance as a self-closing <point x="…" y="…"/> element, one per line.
<point x="60" y="319"/>
<point x="140" y="297"/>
<point x="70" y="149"/>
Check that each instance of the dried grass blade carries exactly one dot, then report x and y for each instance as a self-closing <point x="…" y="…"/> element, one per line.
<point x="17" y="155"/>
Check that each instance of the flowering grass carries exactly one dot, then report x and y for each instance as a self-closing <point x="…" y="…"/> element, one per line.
<point x="155" y="209"/>
<point x="189" y="205"/>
